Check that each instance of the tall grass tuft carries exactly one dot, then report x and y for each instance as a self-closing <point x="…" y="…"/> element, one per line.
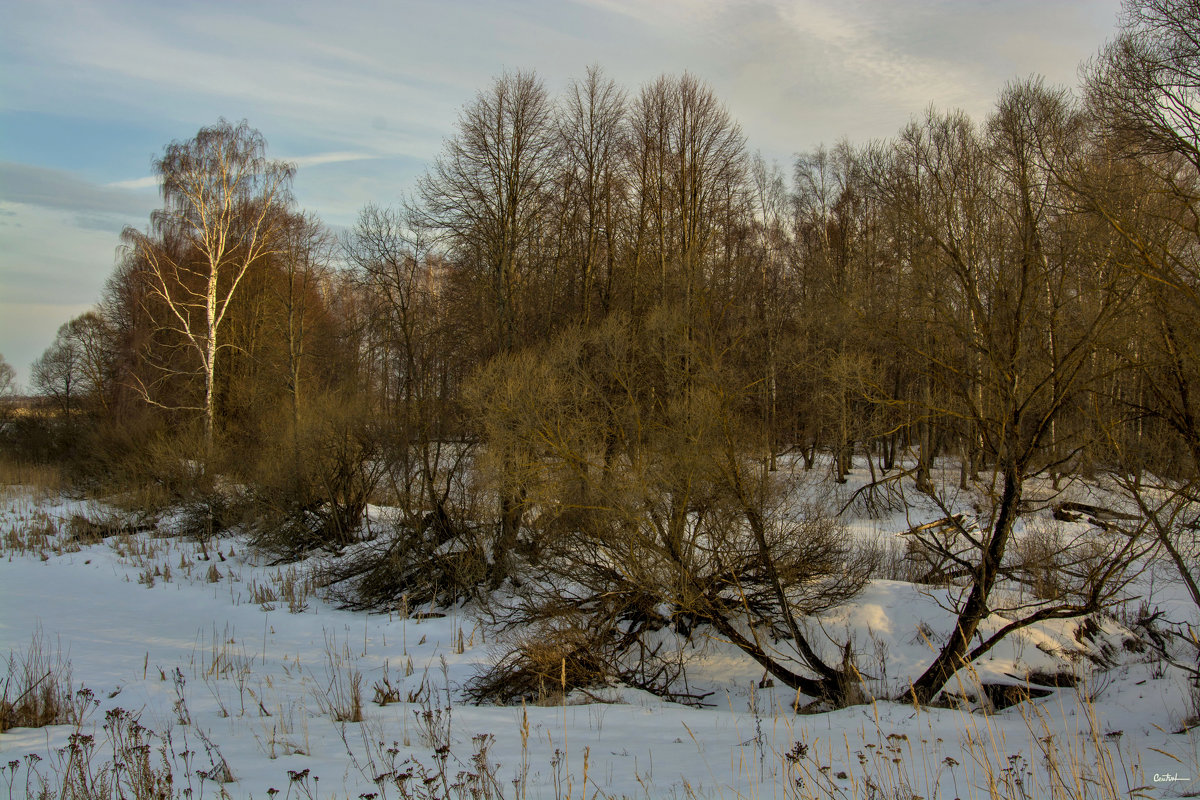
<point x="37" y="689"/>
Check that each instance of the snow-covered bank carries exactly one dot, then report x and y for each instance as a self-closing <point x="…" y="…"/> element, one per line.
<point x="229" y="659"/>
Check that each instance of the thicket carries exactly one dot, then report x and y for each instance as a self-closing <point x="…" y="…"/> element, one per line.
<point x="571" y="364"/>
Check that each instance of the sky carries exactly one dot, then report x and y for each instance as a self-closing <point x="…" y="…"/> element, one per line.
<point x="361" y="95"/>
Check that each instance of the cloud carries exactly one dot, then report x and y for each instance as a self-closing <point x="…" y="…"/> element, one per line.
<point x="310" y="73"/>
<point x="65" y="191"/>
<point x="388" y="79"/>
<point x="300" y="162"/>
<point x="319" y="159"/>
<point x="148" y="182"/>
<point x="48" y="255"/>
<point x="796" y="73"/>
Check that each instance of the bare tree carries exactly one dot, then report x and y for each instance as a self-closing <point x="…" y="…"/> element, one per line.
<point x="76" y="369"/>
<point x="414" y="354"/>
<point x="688" y="167"/>
<point x="8" y="378"/>
<point x="831" y="239"/>
<point x="1145" y="84"/>
<point x="223" y="204"/>
<point x="591" y="128"/>
<point x="8" y="387"/>
<point x="486" y="194"/>
<point x="1144" y="91"/>
<point x="56" y="372"/>
<point x="1016" y="311"/>
<point x="306" y="252"/>
<point x="773" y="294"/>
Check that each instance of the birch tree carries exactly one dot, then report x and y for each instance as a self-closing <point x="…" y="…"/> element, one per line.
<point x="223" y="202"/>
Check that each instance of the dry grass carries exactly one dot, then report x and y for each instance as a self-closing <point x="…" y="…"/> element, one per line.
<point x="290" y="586"/>
<point x="23" y="476"/>
<point x="294" y="587"/>
<point x="38" y="691"/>
<point x="263" y="595"/>
<point x="1053" y="763"/>
<point x="341" y="695"/>
<point x="143" y="766"/>
<point x="32" y="533"/>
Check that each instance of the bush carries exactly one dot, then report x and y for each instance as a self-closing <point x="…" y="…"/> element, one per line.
<point x="311" y="490"/>
<point x="633" y="496"/>
<point x="544" y="664"/>
<point x="437" y="561"/>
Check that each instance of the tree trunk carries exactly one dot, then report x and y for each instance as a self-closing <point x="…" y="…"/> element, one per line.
<point x="953" y="654"/>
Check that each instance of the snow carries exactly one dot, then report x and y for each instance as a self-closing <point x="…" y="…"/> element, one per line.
<point x="199" y="662"/>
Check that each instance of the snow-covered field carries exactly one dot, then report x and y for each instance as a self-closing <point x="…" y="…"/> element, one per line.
<point x="236" y="661"/>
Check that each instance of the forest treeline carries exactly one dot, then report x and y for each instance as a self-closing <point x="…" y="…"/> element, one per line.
<point x="573" y="362"/>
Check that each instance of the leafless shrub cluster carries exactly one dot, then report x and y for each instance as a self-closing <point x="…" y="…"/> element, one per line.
<point x="644" y="515"/>
<point x="439" y="561"/>
<point x="311" y="489"/>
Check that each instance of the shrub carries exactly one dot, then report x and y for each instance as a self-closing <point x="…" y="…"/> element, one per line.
<point x="437" y="561"/>
<point x="311" y="491"/>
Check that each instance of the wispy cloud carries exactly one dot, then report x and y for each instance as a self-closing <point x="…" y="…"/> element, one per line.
<point x="148" y="182"/>
<point x="313" y="75"/>
<point x="319" y="159"/>
<point x="65" y="191"/>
